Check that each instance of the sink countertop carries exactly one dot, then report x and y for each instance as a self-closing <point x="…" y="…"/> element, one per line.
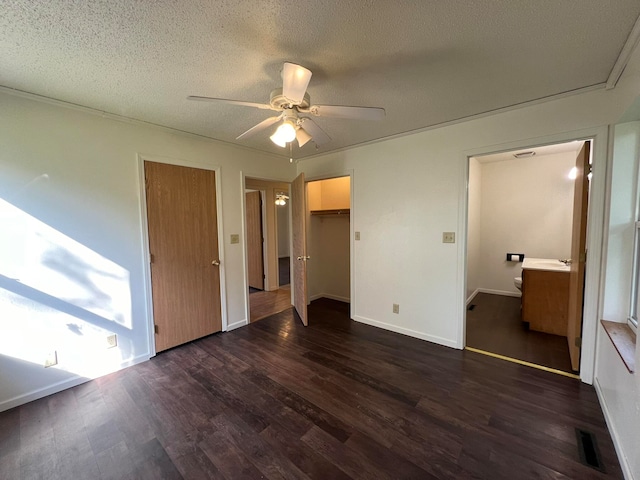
<point x="548" y="264"/>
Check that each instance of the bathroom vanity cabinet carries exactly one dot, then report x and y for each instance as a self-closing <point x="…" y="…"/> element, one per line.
<point x="545" y="297"/>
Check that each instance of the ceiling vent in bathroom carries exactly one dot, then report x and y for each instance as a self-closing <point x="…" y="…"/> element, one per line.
<point x="529" y="153"/>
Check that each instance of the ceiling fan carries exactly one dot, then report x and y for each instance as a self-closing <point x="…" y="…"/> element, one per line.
<point x="294" y="103"/>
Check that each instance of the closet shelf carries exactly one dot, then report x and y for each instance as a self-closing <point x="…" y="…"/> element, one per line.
<point x="342" y="211"/>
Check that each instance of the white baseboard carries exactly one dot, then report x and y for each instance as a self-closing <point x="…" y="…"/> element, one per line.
<point x="406" y="331"/>
<point x="328" y="295"/>
<point x="499" y="292"/>
<point x="472" y="296"/>
<point x="234" y="325"/>
<point x="624" y="464"/>
<point x="63" y="385"/>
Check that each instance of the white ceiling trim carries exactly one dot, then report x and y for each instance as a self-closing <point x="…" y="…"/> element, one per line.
<point x="133" y="121"/>
<point x="510" y="108"/>
<point x="625" y="54"/>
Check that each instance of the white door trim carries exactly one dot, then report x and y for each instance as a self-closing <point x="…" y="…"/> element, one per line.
<point x="146" y="256"/>
<point x="595" y="232"/>
<point x="352" y="215"/>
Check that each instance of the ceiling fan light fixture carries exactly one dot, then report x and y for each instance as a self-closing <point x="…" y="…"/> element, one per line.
<point x="284" y="134"/>
<point x="281" y="199"/>
<point x="302" y="137"/>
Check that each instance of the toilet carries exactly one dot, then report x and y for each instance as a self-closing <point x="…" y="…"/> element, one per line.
<point x="518" y="283"/>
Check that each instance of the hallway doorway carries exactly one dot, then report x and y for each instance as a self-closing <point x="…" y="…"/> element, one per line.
<point x="267" y="245"/>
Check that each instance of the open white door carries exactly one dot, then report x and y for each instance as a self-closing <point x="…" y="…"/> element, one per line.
<point x="578" y="256"/>
<point x="299" y="240"/>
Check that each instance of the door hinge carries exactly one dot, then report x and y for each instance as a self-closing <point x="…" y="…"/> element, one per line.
<point x="151" y="259"/>
<point x="578" y="342"/>
<point x="583" y="257"/>
<point x="155" y="329"/>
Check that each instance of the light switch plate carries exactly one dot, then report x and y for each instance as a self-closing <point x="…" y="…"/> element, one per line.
<point x="112" y="340"/>
<point x="51" y="359"/>
<point x="235" y="238"/>
<point x="448" y="237"/>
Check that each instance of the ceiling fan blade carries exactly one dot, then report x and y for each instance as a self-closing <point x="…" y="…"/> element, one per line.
<point x="312" y="128"/>
<point x="344" y="111"/>
<point x="261" y="126"/>
<point x="295" y="79"/>
<point x="262" y="106"/>
<point x="302" y="136"/>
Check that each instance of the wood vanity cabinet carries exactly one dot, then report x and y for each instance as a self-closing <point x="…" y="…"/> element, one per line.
<point x="545" y="300"/>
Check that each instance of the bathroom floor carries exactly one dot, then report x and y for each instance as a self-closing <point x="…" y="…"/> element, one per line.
<point x="494" y="325"/>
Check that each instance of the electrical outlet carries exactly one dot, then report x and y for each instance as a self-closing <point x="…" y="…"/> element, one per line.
<point x="396" y="308"/>
<point x="112" y="340"/>
<point x="357" y="235"/>
<point x="448" y="237"/>
<point x="235" y="238"/>
<point x="51" y="359"/>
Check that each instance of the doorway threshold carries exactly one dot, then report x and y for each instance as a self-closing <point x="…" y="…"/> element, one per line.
<point x="523" y="362"/>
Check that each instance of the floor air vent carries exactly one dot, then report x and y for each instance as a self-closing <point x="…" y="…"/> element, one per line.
<point x="471" y="307"/>
<point x="588" y="450"/>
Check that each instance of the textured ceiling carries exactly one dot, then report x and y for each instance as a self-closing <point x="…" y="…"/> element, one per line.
<point x="426" y="62"/>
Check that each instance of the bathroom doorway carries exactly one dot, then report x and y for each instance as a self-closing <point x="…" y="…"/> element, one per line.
<point x="523" y="219"/>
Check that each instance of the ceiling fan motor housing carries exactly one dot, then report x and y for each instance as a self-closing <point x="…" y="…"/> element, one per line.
<point x="279" y="102"/>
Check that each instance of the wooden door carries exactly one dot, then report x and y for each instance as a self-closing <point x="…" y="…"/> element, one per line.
<point x="255" y="258"/>
<point x="578" y="256"/>
<point x="299" y="240"/>
<point x="183" y="242"/>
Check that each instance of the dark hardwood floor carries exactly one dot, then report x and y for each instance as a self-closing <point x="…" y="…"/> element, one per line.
<point x="335" y="400"/>
<point x="494" y="325"/>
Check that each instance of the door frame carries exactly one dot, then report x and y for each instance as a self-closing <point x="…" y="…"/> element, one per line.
<point x="146" y="254"/>
<point x="352" y="251"/>
<point x="592" y="309"/>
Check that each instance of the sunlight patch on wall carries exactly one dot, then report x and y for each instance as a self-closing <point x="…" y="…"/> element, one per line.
<point x="60" y="299"/>
<point x="31" y="331"/>
<point x="34" y="254"/>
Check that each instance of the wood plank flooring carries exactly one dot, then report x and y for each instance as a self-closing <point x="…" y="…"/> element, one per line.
<point x="263" y="304"/>
<point x="335" y="400"/>
<point x="494" y="325"/>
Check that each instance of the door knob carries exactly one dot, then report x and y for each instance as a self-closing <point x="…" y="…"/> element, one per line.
<point x="304" y="258"/>
<point x="216" y="263"/>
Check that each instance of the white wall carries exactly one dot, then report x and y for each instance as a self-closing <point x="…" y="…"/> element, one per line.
<point x="473" y="227"/>
<point x="619" y="390"/>
<point x="328" y="269"/>
<point x="282" y="214"/>
<point x="527" y="207"/>
<point x="72" y="182"/>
